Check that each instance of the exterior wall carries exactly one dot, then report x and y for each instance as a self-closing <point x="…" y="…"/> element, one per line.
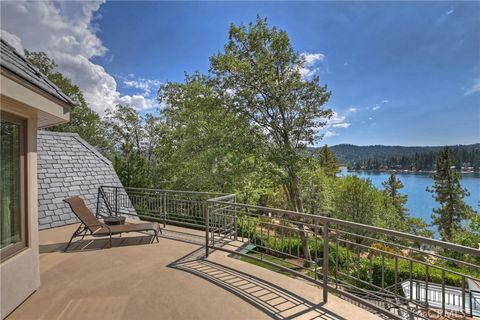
<point x="49" y="112"/>
<point x="68" y="166"/>
<point x="20" y="274"/>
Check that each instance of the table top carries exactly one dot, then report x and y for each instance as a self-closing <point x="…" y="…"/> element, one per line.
<point x="112" y="220"/>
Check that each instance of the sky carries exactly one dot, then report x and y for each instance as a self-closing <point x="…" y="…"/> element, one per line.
<point x="400" y="73"/>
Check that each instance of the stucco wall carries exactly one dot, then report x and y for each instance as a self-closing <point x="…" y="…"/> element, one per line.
<point x="68" y="166"/>
<point x="20" y="274"/>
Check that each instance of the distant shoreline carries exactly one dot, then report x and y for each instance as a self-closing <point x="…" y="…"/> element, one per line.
<point x="404" y="171"/>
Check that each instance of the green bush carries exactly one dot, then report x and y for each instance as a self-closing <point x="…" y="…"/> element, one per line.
<point x="365" y="267"/>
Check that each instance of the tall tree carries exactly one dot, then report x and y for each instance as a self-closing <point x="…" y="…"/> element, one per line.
<point x="261" y="72"/>
<point x="128" y="133"/>
<point x="328" y="161"/>
<point x="448" y="192"/>
<point x="83" y="120"/>
<point x="215" y="150"/>
<point x="357" y="200"/>
<point x="392" y="192"/>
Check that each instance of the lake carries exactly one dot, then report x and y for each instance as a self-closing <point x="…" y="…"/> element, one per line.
<point x="420" y="202"/>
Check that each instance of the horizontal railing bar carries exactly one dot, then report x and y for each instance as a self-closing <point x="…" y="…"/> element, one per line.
<point x="301" y="275"/>
<point x="276" y="233"/>
<point x="285" y="254"/>
<point x="378" y="297"/>
<point x="387" y="253"/>
<point x="405" y="247"/>
<point x="364" y="302"/>
<point x="399" y="234"/>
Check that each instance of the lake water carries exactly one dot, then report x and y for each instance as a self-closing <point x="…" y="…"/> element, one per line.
<point x="420" y="202"/>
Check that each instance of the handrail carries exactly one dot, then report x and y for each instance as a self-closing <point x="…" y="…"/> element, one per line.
<point x="169" y="190"/>
<point x="323" y="219"/>
<point x="224" y="220"/>
<point x="102" y="194"/>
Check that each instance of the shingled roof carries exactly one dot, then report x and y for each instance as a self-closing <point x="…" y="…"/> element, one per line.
<point x="68" y="166"/>
<point x="11" y="60"/>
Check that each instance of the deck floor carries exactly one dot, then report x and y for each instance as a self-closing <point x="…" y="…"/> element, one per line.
<point x="166" y="280"/>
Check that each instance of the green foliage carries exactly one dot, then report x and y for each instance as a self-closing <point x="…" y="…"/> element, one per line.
<point x="393" y="198"/>
<point x="215" y="149"/>
<point x="418" y="227"/>
<point x="318" y="187"/>
<point x="129" y="135"/>
<point x="405" y="158"/>
<point x="468" y="235"/>
<point x="358" y="201"/>
<point x="83" y="120"/>
<point x="449" y="194"/>
<point x="261" y="72"/>
<point x="328" y="161"/>
<point x="367" y="267"/>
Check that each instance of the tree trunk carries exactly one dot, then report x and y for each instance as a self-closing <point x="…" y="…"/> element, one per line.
<point x="296" y="204"/>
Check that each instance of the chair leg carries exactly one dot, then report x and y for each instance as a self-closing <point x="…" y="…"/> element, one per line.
<point x="75" y="234"/>
<point x="69" y="242"/>
<point x="111" y="240"/>
<point x="84" y="234"/>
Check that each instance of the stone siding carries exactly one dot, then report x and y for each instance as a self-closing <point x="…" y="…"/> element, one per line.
<point x="68" y="166"/>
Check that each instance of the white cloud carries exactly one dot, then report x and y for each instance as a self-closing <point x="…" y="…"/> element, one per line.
<point x="449" y="12"/>
<point x="146" y="85"/>
<point x="138" y="101"/>
<point x="310" y="60"/>
<point x="330" y="133"/>
<point x="352" y="109"/>
<point x="376" y="108"/>
<point x="13" y="40"/>
<point x="474" y="88"/>
<point x="385" y="101"/>
<point x="337" y="121"/>
<point x="343" y="125"/>
<point x="66" y="31"/>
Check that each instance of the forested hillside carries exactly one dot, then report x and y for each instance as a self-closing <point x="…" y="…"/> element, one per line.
<point x="378" y="157"/>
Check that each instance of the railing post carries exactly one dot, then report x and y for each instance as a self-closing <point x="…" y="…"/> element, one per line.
<point x="207" y="228"/>
<point x="164" y="206"/>
<point x="98" y="201"/>
<point x="116" y="201"/>
<point x="325" y="262"/>
<point x="235" y="217"/>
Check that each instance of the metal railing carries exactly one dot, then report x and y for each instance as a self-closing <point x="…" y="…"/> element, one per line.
<point x="183" y="208"/>
<point x="397" y="274"/>
<point x="369" y="265"/>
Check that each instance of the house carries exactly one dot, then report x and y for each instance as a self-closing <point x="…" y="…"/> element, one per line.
<point x="217" y="258"/>
<point x="28" y="101"/>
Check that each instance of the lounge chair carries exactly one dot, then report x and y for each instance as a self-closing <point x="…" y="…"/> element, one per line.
<point x="90" y="224"/>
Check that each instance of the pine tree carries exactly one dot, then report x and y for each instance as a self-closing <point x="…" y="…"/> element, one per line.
<point x="448" y="192"/>
<point x="391" y="191"/>
<point x="328" y="161"/>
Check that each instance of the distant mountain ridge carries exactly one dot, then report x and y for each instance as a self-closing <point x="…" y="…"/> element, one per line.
<point x="348" y="153"/>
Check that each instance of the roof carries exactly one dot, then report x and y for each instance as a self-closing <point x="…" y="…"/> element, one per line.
<point x="68" y="166"/>
<point x="11" y="60"/>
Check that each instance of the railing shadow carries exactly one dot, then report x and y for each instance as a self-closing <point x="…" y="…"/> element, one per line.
<point x="91" y="244"/>
<point x="276" y="302"/>
<point x="96" y="244"/>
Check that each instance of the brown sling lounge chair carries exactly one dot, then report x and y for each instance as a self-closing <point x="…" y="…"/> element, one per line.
<point x="90" y="224"/>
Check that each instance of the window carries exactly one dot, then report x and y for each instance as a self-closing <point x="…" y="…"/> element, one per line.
<point x="12" y="186"/>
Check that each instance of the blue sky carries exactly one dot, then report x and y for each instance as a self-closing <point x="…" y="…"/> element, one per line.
<point x="400" y="73"/>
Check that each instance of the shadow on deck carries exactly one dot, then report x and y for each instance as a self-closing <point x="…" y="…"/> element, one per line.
<point x="276" y="302"/>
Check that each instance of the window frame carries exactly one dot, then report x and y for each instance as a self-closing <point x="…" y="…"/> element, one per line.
<point x="13" y="249"/>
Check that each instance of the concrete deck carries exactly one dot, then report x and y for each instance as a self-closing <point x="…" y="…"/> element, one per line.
<point x="166" y="280"/>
